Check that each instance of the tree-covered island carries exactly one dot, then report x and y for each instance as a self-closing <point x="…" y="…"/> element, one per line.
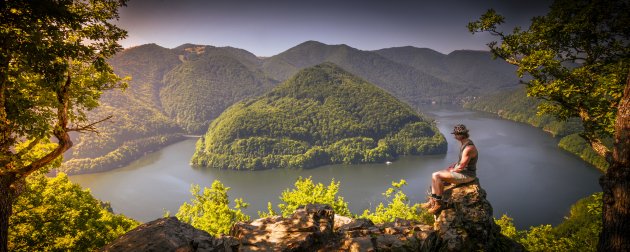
<point x="322" y="115"/>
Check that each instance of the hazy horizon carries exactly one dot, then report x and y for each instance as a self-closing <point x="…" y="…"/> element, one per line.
<point x="271" y="27"/>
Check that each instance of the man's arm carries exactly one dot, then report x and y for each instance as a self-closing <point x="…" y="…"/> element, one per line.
<point x="466" y="155"/>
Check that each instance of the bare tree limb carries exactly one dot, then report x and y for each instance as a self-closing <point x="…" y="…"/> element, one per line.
<point x="89" y="127"/>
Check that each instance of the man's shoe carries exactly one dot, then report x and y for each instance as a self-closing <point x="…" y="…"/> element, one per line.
<point x="428" y="204"/>
<point x="436" y="207"/>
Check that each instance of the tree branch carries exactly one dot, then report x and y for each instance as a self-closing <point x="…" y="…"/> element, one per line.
<point x="89" y="127"/>
<point x="60" y="132"/>
<point x="601" y="149"/>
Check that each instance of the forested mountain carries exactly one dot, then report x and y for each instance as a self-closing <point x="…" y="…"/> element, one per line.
<point x="207" y="82"/>
<point x="138" y="123"/>
<point x="475" y="69"/>
<point x="181" y="90"/>
<point x="322" y="115"/>
<point x="171" y="92"/>
<point x="412" y="85"/>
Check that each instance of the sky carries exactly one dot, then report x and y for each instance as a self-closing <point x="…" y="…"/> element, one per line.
<point x="269" y="27"/>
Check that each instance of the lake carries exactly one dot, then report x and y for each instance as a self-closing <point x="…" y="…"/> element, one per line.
<point x="521" y="168"/>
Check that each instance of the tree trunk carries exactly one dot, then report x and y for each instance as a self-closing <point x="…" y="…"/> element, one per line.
<point x="615" y="184"/>
<point x="6" y="205"/>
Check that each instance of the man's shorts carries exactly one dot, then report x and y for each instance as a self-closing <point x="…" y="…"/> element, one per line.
<point x="459" y="178"/>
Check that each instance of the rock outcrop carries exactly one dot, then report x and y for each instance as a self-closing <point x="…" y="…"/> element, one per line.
<point x="169" y="234"/>
<point x="309" y="227"/>
<point x="465" y="224"/>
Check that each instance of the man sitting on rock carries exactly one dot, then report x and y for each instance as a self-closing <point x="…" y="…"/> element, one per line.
<point x="463" y="171"/>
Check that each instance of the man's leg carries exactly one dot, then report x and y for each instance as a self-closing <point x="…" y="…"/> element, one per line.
<point x="437" y="187"/>
<point x="437" y="179"/>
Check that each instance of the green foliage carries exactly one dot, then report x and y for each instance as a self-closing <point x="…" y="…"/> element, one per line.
<point x="306" y="192"/>
<point x="578" y="232"/>
<point x="203" y="86"/>
<point x="45" y="43"/>
<point x="36" y="152"/>
<point x="578" y="58"/>
<point x="507" y="227"/>
<point x="54" y="214"/>
<point x="52" y="70"/>
<point x="578" y="146"/>
<point x="210" y="210"/>
<point x="398" y="206"/>
<point x="322" y="115"/>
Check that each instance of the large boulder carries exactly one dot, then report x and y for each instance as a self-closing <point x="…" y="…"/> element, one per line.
<point x="169" y="234"/>
<point x="309" y="227"/>
<point x="400" y="235"/>
<point x="466" y="223"/>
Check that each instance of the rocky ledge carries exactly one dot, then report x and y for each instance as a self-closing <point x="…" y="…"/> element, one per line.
<point x="466" y="224"/>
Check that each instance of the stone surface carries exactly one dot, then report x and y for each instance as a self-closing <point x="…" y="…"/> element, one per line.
<point x="340" y="221"/>
<point x="308" y="228"/>
<point x="465" y="224"/>
<point x="169" y="234"/>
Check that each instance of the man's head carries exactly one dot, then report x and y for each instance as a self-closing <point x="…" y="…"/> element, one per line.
<point x="460" y="131"/>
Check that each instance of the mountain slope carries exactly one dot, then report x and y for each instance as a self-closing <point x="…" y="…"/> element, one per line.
<point x="322" y="115"/>
<point x="409" y="84"/>
<point x="475" y="69"/>
<point x="205" y="84"/>
<point x="171" y="91"/>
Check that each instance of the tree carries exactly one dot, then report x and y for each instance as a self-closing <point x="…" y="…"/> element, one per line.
<point x="52" y="70"/>
<point x="210" y="210"/>
<point x="398" y="206"/>
<point x="307" y="192"/>
<point x="56" y="214"/>
<point x="578" y="61"/>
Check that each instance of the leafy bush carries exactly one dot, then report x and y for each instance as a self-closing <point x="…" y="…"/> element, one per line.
<point x="307" y="192"/>
<point x="54" y="214"/>
<point x="398" y="206"/>
<point x="210" y="210"/>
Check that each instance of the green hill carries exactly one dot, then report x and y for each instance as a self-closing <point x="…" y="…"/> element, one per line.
<point x="171" y="91"/>
<point x="414" y="86"/>
<point x="322" y="115"/>
<point x="205" y="84"/>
